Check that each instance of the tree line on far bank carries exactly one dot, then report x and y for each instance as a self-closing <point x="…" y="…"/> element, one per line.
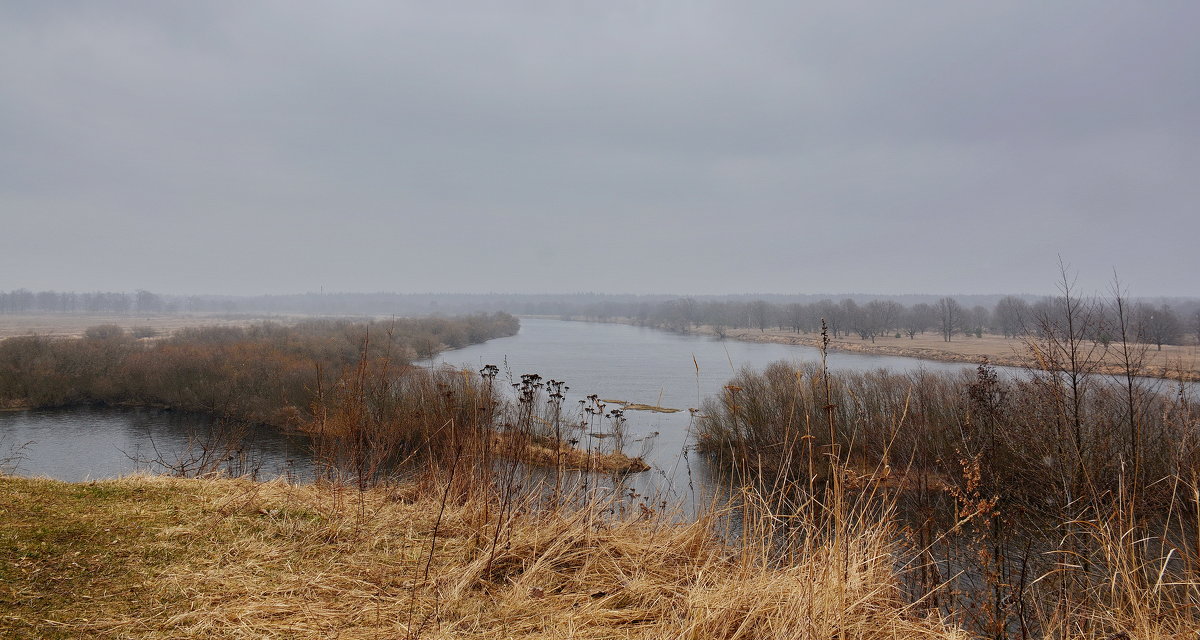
<point x="1011" y="317"/>
<point x="1157" y="321"/>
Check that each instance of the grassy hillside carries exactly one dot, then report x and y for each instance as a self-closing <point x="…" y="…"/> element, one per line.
<point x="154" y="557"/>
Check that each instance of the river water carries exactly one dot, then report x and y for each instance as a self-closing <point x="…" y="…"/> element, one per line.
<point x="104" y="442"/>
<point x="614" y="361"/>
<point x="649" y="366"/>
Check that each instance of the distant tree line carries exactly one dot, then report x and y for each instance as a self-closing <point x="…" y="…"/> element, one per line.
<point x="1158" y="321"/>
<point x="26" y="301"/>
<point x="1011" y="317"/>
<point x="401" y="304"/>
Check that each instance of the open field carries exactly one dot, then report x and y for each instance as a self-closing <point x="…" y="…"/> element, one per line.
<point x="73" y="325"/>
<point x="1178" y="362"/>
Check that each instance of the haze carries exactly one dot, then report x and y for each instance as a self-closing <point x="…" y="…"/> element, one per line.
<point x="673" y="147"/>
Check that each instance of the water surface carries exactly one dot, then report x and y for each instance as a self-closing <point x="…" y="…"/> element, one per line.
<point x="104" y="442"/>
<point x="614" y="361"/>
<point x="649" y="366"/>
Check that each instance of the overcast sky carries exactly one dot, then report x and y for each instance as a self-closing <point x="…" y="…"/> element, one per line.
<point x="672" y="147"/>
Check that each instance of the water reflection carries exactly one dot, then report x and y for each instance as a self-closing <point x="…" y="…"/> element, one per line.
<point x="91" y="443"/>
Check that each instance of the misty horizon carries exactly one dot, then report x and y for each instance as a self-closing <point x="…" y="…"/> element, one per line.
<point x="274" y="148"/>
<point x="458" y="302"/>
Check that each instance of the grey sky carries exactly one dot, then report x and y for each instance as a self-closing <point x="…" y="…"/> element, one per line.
<point x="689" y="147"/>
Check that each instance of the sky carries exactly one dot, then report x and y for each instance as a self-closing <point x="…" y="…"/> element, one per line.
<point x="624" y="147"/>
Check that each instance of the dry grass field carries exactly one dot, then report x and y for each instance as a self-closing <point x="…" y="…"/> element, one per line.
<point x="1175" y="362"/>
<point x="72" y="325"/>
<point x="154" y="557"/>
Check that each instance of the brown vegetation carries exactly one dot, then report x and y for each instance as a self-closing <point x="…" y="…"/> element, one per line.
<point x="377" y="419"/>
<point x="1029" y="503"/>
<point x="1175" y="362"/>
<point x="443" y="556"/>
<point x="152" y="557"/>
<point x="61" y="325"/>
<point x="349" y="385"/>
<point x="871" y="506"/>
<point x="1065" y="504"/>
<point x="261" y="373"/>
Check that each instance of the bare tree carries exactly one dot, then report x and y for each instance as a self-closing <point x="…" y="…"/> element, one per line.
<point x="1132" y="357"/>
<point x="876" y="318"/>
<point x="888" y="312"/>
<point x="796" y="314"/>
<point x="978" y="319"/>
<point x="760" y="314"/>
<point x="831" y="315"/>
<point x="950" y="316"/>
<point x="918" y="319"/>
<point x="1010" y="316"/>
<point x="1070" y="359"/>
<point x="848" y="315"/>
<point x="1158" y="325"/>
<point x="147" y="302"/>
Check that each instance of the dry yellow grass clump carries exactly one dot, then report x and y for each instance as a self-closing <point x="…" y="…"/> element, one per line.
<point x="153" y="557"/>
<point x="546" y="454"/>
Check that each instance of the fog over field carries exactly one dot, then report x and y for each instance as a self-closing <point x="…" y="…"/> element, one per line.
<point x="534" y="147"/>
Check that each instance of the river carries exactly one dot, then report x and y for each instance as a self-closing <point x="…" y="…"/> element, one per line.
<point x="614" y="361"/>
<point x="90" y="443"/>
<point x="653" y="367"/>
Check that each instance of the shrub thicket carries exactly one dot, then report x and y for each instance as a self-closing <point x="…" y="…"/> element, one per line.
<point x="266" y="373"/>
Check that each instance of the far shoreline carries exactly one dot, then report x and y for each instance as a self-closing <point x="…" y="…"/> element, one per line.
<point x="1174" y="362"/>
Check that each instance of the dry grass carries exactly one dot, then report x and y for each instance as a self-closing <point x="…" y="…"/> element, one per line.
<point x="74" y="325"/>
<point x="152" y="557"/>
<point x="156" y="557"/>
<point x="1176" y="362"/>
<point x="549" y="456"/>
<point x="637" y="406"/>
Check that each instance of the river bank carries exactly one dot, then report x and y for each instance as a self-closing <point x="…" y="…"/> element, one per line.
<point x="1172" y="362"/>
